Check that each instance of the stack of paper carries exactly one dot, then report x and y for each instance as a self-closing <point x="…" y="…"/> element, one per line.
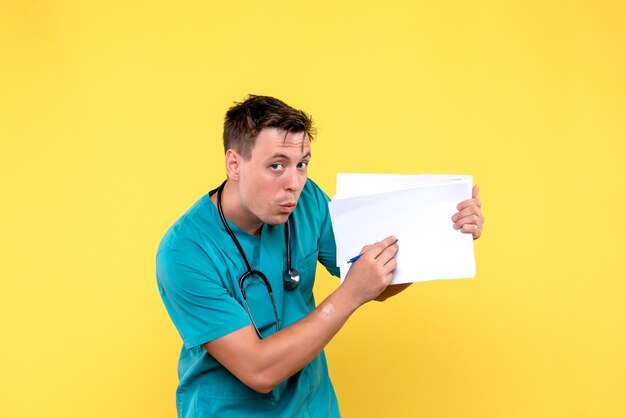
<point x="416" y="209"/>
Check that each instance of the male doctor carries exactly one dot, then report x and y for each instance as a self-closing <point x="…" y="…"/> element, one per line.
<point x="236" y="275"/>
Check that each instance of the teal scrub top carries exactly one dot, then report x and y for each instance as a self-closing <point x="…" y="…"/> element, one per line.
<point x="198" y="268"/>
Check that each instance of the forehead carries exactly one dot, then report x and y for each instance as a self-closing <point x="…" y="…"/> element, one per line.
<point x="273" y="140"/>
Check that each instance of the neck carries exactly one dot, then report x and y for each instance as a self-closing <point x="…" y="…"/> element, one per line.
<point x="235" y="211"/>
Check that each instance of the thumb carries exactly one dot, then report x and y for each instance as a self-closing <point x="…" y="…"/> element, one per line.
<point x="475" y="190"/>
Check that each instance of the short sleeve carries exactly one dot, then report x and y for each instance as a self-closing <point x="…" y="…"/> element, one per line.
<point x="326" y="244"/>
<point x="201" y="308"/>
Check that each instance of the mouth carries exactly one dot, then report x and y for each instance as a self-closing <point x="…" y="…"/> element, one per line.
<point x="287" y="207"/>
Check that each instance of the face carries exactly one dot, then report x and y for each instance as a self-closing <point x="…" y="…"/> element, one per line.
<point x="270" y="181"/>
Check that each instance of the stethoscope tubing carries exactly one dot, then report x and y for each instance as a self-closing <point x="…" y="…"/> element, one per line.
<point x="288" y="285"/>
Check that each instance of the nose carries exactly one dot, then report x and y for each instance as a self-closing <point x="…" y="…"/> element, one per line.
<point x="293" y="181"/>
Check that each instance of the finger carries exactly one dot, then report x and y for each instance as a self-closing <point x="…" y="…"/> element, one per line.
<point x="475" y="230"/>
<point x="389" y="267"/>
<point x="469" y="202"/>
<point x="475" y="191"/>
<point x="468" y="211"/>
<point x="472" y="219"/>
<point x="388" y="253"/>
<point x="467" y="220"/>
<point x="376" y="249"/>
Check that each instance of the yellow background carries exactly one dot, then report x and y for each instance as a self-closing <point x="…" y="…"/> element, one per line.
<point x="110" y="127"/>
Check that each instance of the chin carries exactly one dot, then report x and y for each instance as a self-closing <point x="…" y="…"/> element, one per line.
<point x="277" y="219"/>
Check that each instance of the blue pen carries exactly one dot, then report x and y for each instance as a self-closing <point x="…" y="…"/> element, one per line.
<point x="353" y="259"/>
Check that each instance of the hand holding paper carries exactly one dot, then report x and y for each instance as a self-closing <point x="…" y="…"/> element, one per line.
<point x="470" y="218"/>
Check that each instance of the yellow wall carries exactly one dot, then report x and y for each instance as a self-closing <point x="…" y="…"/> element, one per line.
<point x="110" y="124"/>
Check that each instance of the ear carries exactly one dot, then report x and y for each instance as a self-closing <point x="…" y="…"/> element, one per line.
<point x="233" y="161"/>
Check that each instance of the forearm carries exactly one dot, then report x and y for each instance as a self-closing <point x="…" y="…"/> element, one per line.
<point x="264" y="363"/>
<point x="286" y="352"/>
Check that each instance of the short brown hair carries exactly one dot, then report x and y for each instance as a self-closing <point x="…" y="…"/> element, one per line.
<point x="245" y="120"/>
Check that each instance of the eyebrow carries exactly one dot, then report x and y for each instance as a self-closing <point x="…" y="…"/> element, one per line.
<point x="286" y="157"/>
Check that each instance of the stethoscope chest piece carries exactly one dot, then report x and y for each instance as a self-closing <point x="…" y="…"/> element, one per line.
<point x="291" y="278"/>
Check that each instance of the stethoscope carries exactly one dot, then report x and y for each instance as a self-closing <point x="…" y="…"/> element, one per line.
<point x="291" y="277"/>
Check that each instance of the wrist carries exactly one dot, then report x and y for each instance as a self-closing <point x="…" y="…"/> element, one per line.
<point x="345" y="298"/>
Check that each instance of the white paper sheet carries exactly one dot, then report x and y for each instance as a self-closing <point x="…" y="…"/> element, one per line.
<point x="351" y="184"/>
<point x="415" y="209"/>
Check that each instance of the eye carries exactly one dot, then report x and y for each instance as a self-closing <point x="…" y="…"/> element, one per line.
<point x="276" y="166"/>
<point x="303" y="164"/>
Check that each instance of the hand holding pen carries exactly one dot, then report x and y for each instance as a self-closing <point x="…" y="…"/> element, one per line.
<point x="368" y="278"/>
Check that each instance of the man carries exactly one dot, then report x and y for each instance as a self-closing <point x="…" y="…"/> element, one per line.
<point x="236" y="275"/>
